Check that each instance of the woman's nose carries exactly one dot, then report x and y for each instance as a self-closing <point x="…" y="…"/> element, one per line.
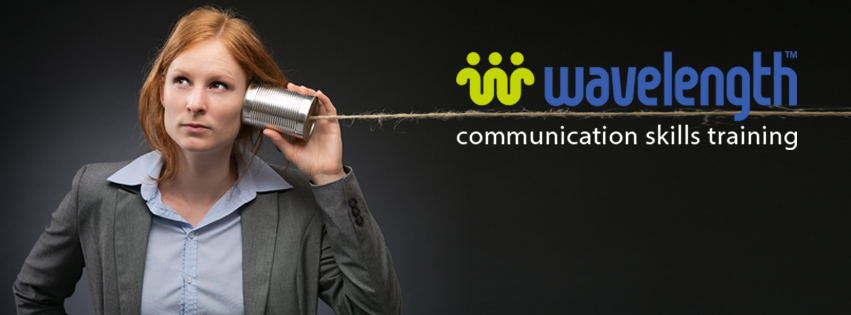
<point x="197" y="101"/>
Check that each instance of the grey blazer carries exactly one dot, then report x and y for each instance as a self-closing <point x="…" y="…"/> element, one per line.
<point x="298" y="245"/>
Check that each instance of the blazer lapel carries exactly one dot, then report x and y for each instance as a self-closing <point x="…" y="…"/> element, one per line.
<point x="132" y="226"/>
<point x="259" y="232"/>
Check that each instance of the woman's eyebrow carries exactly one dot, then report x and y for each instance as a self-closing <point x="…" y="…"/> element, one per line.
<point x="223" y="76"/>
<point x="178" y="71"/>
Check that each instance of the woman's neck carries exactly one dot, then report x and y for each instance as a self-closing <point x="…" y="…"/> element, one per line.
<point x="202" y="179"/>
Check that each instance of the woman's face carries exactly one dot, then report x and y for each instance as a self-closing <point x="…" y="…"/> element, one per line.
<point x="202" y="96"/>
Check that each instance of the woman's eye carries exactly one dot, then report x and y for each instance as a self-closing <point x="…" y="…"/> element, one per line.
<point x="219" y="86"/>
<point x="181" y="80"/>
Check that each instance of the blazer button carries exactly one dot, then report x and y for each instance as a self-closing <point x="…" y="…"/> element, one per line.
<point x="353" y="203"/>
<point x="359" y="220"/>
<point x="355" y="211"/>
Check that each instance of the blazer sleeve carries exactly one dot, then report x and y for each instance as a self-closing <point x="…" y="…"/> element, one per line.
<point x="356" y="271"/>
<point x="55" y="264"/>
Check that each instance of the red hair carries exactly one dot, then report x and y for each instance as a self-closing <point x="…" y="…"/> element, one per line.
<point x="198" y="25"/>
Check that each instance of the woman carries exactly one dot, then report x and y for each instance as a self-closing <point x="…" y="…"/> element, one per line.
<point x="200" y="225"/>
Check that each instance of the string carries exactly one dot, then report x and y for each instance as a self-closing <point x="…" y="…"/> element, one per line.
<point x="481" y="114"/>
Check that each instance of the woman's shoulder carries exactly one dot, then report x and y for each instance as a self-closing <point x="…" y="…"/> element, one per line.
<point x="103" y="169"/>
<point x="292" y="175"/>
<point x="96" y="174"/>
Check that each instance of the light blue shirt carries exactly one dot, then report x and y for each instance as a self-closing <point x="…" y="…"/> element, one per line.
<point x="195" y="270"/>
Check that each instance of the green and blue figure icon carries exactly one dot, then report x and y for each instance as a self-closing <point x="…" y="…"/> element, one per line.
<point x="482" y="88"/>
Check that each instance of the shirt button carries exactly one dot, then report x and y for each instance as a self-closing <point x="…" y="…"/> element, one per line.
<point x="353" y="203"/>
<point x="192" y="234"/>
<point x="359" y="221"/>
<point x="355" y="211"/>
<point x="188" y="279"/>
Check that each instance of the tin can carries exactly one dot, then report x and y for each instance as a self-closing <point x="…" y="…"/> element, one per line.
<point x="280" y="109"/>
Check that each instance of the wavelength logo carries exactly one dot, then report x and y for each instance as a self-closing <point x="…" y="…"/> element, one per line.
<point x="482" y="88"/>
<point x="737" y="86"/>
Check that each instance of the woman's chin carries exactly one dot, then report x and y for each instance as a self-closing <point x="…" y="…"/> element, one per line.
<point x="202" y="148"/>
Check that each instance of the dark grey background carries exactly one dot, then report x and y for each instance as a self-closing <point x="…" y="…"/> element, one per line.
<point x="490" y="229"/>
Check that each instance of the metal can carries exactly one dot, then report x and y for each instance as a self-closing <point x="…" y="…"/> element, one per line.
<point x="280" y="109"/>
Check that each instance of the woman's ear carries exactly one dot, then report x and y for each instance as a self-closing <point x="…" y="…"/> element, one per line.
<point x="162" y="89"/>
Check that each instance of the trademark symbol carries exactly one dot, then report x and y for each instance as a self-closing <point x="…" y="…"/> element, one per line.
<point x="791" y="54"/>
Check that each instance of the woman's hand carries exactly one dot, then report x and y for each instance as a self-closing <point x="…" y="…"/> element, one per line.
<point x="321" y="158"/>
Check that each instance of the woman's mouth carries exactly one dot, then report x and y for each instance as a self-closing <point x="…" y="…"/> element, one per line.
<point x="195" y="127"/>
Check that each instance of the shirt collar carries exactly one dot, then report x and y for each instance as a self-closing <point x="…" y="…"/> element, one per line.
<point x="260" y="177"/>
